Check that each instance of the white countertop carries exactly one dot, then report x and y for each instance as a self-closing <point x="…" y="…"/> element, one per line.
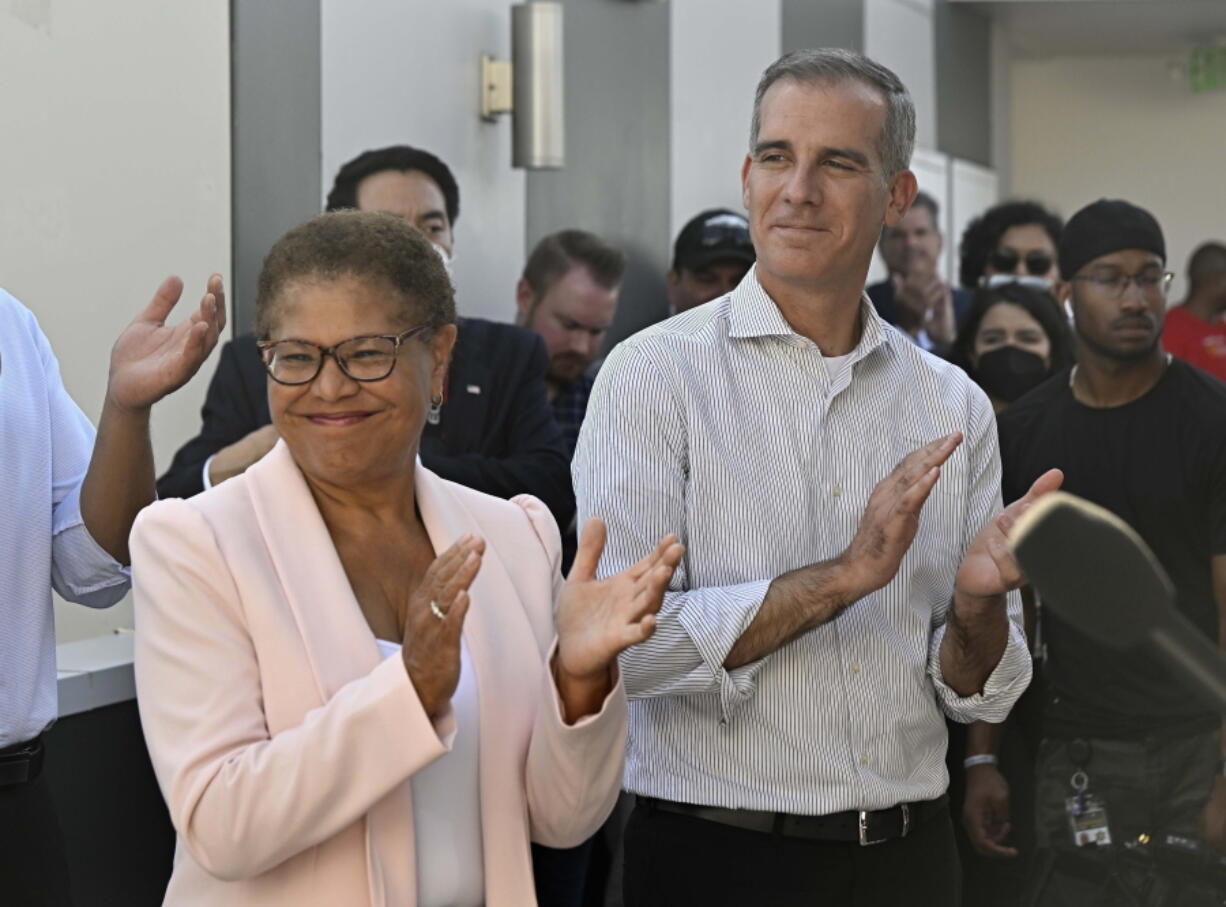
<point x="95" y="672"/>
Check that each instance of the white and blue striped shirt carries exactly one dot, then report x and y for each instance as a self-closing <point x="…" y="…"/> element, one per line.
<point x="45" y="446"/>
<point x="727" y="427"/>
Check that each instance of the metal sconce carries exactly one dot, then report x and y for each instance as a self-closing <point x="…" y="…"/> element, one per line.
<point x="529" y="87"/>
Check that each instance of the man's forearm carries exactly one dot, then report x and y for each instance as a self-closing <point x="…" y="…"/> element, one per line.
<point x="983" y="738"/>
<point x="119" y="481"/>
<point x="975" y="638"/>
<point x="795" y="603"/>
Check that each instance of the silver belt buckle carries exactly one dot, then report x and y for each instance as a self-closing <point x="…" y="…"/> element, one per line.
<point x="865" y="841"/>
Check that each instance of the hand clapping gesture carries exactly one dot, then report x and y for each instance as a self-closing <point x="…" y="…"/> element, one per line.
<point x="431" y="647"/>
<point x="988" y="568"/>
<point x="151" y="359"/>
<point x="597" y="619"/>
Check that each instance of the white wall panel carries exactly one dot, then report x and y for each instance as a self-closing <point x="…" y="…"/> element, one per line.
<point x="116" y="162"/>
<point x="719" y="51"/>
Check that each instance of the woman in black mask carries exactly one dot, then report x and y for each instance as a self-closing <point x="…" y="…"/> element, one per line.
<point x="1014" y="337"/>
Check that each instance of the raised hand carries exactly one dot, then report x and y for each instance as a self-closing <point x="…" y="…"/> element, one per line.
<point x="431" y="647"/>
<point x="151" y="359"/>
<point x="988" y="568"/>
<point x="597" y="619"/>
<point x="891" y="517"/>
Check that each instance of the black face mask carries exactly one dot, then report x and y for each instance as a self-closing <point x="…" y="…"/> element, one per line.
<point x="1007" y="372"/>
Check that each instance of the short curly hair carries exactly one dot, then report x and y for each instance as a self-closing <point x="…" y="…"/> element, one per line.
<point x="367" y="245"/>
<point x="981" y="236"/>
<point x="398" y="158"/>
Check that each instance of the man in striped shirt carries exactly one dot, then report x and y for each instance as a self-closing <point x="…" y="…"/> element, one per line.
<point x="846" y="582"/>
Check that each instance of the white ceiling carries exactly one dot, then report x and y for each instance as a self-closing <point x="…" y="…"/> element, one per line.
<point x="1042" y="28"/>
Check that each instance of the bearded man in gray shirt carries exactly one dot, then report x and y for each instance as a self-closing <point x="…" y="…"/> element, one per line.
<point x="847" y="578"/>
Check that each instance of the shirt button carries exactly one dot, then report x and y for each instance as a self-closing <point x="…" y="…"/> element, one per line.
<point x="863" y="759"/>
<point x="836" y="491"/>
<point x="855" y="667"/>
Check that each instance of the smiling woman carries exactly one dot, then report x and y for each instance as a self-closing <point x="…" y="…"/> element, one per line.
<point x="337" y="288"/>
<point x="361" y="683"/>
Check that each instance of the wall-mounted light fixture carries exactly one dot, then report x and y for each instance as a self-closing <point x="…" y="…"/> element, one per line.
<point x="529" y="87"/>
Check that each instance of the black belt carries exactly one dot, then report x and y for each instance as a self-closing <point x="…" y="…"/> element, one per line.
<point x="865" y="826"/>
<point x="21" y="762"/>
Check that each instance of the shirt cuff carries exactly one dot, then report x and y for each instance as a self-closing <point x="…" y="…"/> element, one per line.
<point x="705" y="617"/>
<point x="82" y="571"/>
<point x="1001" y="690"/>
<point x="204" y="475"/>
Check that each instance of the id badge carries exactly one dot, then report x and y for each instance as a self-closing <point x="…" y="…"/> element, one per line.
<point x="1087" y="817"/>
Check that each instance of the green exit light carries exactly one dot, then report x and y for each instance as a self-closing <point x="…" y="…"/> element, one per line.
<point x="1207" y="69"/>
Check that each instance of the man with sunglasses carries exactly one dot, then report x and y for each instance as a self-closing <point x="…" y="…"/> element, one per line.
<point x="1015" y="239"/>
<point x="1143" y="435"/>
<point x="913" y="297"/>
<point x="494" y="431"/>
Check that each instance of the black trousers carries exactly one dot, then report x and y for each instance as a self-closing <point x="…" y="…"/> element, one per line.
<point x="674" y="859"/>
<point x="33" y="868"/>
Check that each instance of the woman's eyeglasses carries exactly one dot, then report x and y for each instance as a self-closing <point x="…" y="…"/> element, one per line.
<point x="1038" y="264"/>
<point x="368" y="358"/>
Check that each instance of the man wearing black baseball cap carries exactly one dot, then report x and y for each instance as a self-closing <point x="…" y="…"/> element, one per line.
<point x="1126" y="750"/>
<point x="712" y="253"/>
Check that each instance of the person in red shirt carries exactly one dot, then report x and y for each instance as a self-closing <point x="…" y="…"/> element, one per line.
<point x="1196" y="330"/>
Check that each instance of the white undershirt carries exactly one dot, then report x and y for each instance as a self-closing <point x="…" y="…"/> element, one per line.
<point x="447" y="806"/>
<point x="838" y="368"/>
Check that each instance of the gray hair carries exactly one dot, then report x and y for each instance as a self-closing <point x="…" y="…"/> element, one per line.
<point x="831" y="65"/>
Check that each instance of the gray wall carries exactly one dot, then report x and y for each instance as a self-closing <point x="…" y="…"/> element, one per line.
<point x="276" y="132"/>
<point x="822" y="23"/>
<point x="616" y="179"/>
<point x="964" y="82"/>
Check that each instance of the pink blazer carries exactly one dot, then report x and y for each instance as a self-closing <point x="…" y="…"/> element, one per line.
<point x="284" y="745"/>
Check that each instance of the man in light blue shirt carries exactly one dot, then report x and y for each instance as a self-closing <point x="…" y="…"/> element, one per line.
<point x="67" y="502"/>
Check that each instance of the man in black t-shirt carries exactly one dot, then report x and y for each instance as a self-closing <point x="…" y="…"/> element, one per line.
<point x="1144" y="436"/>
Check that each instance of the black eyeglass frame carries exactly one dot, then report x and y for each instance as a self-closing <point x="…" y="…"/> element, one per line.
<point x="397" y="340"/>
<point x="1032" y="260"/>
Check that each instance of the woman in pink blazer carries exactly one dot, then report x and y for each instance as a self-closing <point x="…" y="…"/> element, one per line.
<point x="361" y="683"/>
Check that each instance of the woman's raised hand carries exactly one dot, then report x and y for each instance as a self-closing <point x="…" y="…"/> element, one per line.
<point x="431" y="647"/>
<point x="597" y="619"/>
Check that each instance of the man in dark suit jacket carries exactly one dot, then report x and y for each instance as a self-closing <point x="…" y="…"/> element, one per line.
<point x="495" y="431"/>
<point x="913" y="297"/>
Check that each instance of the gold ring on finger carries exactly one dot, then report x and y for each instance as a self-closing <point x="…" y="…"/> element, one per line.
<point x="437" y="611"/>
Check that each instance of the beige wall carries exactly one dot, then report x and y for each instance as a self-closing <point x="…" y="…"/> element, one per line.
<point x="115" y="163"/>
<point x="1120" y="127"/>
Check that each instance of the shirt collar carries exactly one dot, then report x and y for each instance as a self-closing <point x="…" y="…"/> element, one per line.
<point x="754" y="314"/>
